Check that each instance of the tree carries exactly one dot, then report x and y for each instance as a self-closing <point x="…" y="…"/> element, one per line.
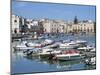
<point x="95" y="27"/>
<point x="75" y="20"/>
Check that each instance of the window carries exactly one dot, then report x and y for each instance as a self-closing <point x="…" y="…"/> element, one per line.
<point x="15" y="20"/>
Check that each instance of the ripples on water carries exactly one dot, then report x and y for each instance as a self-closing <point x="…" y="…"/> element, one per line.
<point x="21" y="64"/>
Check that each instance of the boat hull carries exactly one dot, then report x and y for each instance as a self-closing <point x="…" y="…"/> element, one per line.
<point x="70" y="58"/>
<point x="23" y="48"/>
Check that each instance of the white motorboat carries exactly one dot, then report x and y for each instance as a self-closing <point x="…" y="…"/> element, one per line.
<point x="40" y="45"/>
<point x="93" y="50"/>
<point x="54" y="45"/>
<point x="91" y="61"/>
<point x="23" y="46"/>
<point x="35" y="45"/>
<point x="45" y="51"/>
<point x="80" y="42"/>
<point x="69" y="45"/>
<point x="66" y="41"/>
<point x="69" y="55"/>
<point x="48" y="42"/>
<point x="72" y="44"/>
<point x="75" y="41"/>
<point x="48" y="52"/>
<point x="88" y="48"/>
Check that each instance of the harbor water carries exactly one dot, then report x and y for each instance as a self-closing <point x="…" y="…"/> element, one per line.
<point x="23" y="64"/>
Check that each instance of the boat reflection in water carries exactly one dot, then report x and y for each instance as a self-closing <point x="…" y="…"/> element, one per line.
<point x="60" y="65"/>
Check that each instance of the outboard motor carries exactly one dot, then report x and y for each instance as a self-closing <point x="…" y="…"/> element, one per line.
<point x="30" y="53"/>
<point x="51" y="57"/>
<point x="26" y="44"/>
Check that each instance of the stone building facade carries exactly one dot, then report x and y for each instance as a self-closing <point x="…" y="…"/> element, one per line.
<point x="87" y="27"/>
<point x="15" y="24"/>
<point x="52" y="26"/>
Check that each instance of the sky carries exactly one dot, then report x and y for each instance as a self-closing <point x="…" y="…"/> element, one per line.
<point x="39" y="10"/>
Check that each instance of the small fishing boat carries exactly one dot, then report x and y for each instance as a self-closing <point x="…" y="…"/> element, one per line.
<point x="69" y="55"/>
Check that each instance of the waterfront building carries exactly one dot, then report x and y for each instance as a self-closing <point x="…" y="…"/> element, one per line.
<point x="54" y="26"/>
<point x="34" y="26"/>
<point x="87" y="27"/>
<point x="69" y="28"/>
<point x="47" y="26"/>
<point x="62" y="25"/>
<point x="15" y="24"/>
<point x="84" y="26"/>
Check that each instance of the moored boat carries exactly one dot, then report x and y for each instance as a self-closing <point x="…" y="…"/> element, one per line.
<point x="91" y="61"/>
<point x="80" y="41"/>
<point x="35" y="45"/>
<point x="48" y="53"/>
<point x="69" y="55"/>
<point x="87" y="48"/>
<point x="23" y="46"/>
<point x="69" y="45"/>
